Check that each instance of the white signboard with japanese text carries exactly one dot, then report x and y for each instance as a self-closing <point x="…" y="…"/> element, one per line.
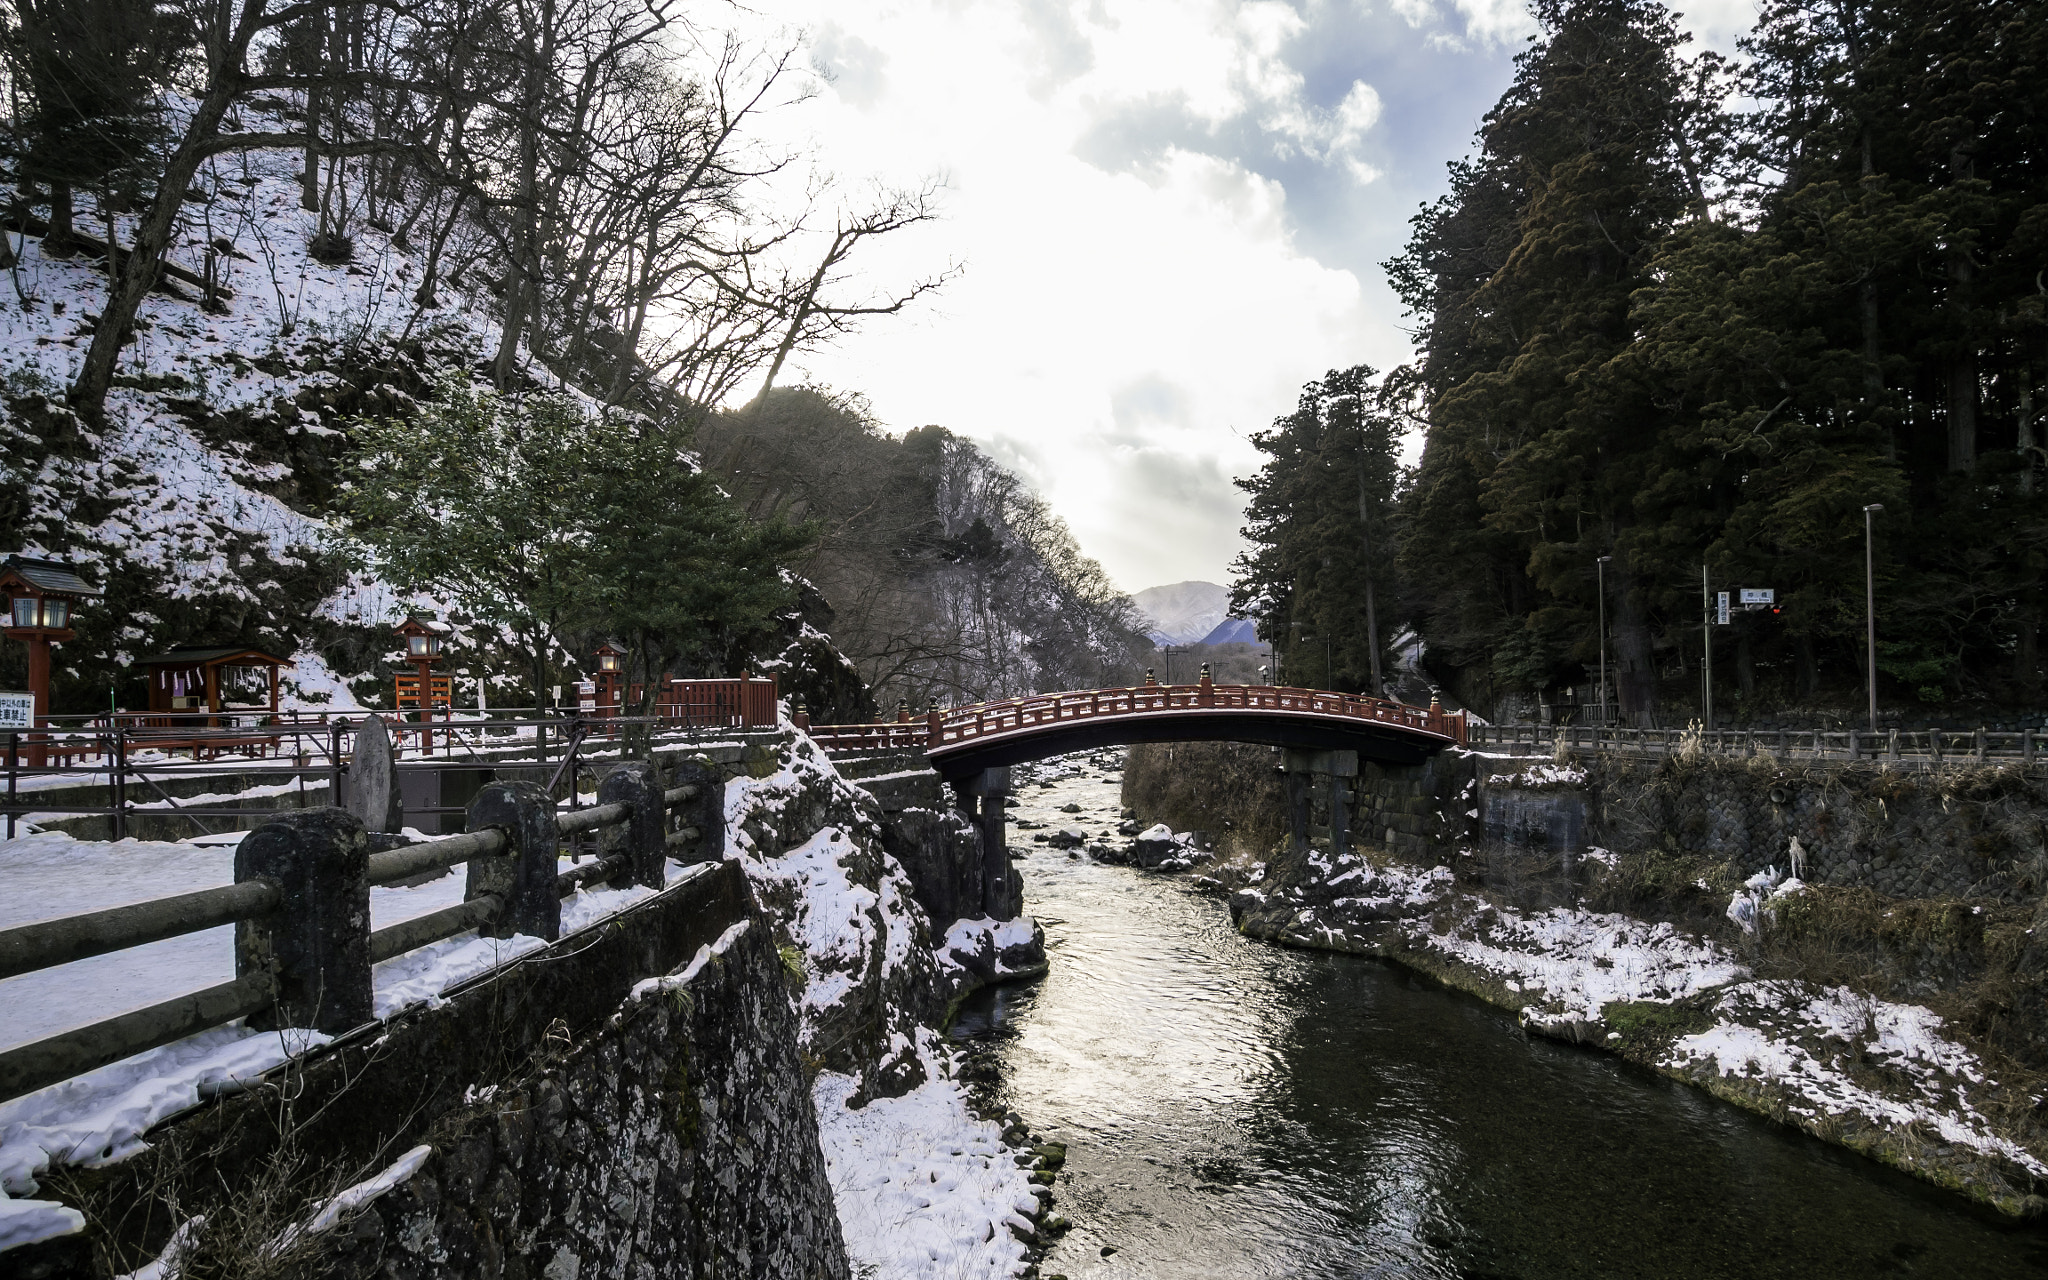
<point x="17" y="710"/>
<point x="1759" y="596"/>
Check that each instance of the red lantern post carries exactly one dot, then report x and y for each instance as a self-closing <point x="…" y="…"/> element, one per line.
<point x="422" y="691"/>
<point x="40" y="595"/>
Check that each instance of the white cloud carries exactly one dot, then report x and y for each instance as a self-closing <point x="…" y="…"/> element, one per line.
<point x="854" y="68"/>
<point x="1117" y="331"/>
<point x="1497" y="21"/>
<point x="1359" y="111"/>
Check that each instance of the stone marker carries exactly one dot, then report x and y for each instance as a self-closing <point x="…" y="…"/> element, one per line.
<point x="373" y="778"/>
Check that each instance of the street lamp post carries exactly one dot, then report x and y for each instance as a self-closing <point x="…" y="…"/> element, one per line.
<point x="1870" y="603"/>
<point x="1600" y="572"/>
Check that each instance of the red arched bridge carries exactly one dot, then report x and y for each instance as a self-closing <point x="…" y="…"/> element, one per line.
<point x="964" y="741"/>
<point x="1325" y="735"/>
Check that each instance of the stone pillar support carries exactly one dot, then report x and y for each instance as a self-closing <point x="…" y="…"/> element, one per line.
<point x="317" y="943"/>
<point x="1334" y="766"/>
<point x="639" y="838"/>
<point x="523" y="876"/>
<point x="980" y="798"/>
<point x="1297" y="810"/>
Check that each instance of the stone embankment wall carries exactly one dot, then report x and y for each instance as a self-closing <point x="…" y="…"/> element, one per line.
<point x="1960" y="832"/>
<point x="1232" y="791"/>
<point x="564" y="1115"/>
<point x="677" y="1141"/>
<point x="1896" y="1004"/>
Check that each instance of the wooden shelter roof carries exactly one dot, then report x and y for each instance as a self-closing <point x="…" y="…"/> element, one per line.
<point x="215" y="657"/>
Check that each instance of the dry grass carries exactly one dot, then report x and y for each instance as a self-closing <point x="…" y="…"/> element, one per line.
<point x="225" y="1215"/>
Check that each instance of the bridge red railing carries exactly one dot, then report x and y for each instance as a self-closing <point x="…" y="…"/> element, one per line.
<point x="943" y="729"/>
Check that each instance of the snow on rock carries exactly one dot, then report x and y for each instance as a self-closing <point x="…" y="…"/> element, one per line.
<point x="1538" y="773"/>
<point x="1808" y="1041"/>
<point x="924" y="1189"/>
<point x="987" y="950"/>
<point x="1751" y="903"/>
<point x="1570" y="963"/>
<point x="810" y="844"/>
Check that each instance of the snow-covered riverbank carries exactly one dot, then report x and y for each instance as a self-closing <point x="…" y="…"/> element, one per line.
<point x="1882" y="1077"/>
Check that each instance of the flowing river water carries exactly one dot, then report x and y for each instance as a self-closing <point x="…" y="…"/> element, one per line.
<point x="1236" y="1109"/>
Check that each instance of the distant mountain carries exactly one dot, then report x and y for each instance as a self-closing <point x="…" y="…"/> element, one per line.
<point x="1233" y="631"/>
<point x="1185" y="612"/>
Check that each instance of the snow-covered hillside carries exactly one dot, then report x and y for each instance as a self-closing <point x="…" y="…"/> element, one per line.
<point x="200" y="501"/>
<point x="1233" y="631"/>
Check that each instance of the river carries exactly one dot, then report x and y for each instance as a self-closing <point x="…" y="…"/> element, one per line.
<point x="1236" y="1109"/>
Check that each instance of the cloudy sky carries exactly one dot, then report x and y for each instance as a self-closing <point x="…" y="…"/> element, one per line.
<point x="1168" y="215"/>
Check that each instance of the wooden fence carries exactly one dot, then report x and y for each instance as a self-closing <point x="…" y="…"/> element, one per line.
<point x="300" y="906"/>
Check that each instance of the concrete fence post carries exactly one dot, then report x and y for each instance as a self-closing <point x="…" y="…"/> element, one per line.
<point x="639" y="837"/>
<point x="523" y="876"/>
<point x="1980" y="744"/>
<point x="317" y="943"/>
<point x="2027" y="747"/>
<point x="1892" y="746"/>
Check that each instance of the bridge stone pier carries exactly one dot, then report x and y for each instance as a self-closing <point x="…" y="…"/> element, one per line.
<point x="1329" y="772"/>
<point x="980" y="798"/>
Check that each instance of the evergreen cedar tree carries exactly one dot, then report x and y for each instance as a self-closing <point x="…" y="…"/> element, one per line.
<point x="1653" y="330"/>
<point x="1321" y="517"/>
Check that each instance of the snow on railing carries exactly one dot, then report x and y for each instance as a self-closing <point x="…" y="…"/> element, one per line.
<point x="300" y="903"/>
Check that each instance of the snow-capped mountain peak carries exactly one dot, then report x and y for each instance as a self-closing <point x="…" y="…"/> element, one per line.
<point x="1184" y="612"/>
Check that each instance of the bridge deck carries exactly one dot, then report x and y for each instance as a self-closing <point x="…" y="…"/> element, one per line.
<point x="962" y="740"/>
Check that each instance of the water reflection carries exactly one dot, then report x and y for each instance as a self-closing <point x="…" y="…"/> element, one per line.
<point x="1236" y="1110"/>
